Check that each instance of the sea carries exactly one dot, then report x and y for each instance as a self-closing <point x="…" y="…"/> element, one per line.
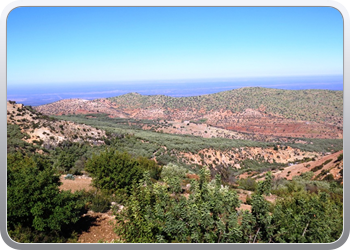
<point x="39" y="94"/>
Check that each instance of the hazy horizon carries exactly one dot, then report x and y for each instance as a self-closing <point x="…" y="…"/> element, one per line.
<point x="180" y="88"/>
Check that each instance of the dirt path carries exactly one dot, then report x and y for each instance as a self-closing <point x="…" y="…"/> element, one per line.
<point x="101" y="228"/>
<point x="93" y="227"/>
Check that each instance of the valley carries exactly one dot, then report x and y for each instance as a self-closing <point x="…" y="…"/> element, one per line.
<point x="99" y="149"/>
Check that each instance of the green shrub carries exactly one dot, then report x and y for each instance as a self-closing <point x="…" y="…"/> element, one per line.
<point x="247" y="184"/>
<point x="34" y="200"/>
<point x="150" y="166"/>
<point x="315" y="169"/>
<point x="339" y="158"/>
<point x="171" y="170"/>
<point x="100" y="203"/>
<point x="112" y="170"/>
<point x="307" y="175"/>
<point x="329" y="177"/>
<point x="154" y="214"/>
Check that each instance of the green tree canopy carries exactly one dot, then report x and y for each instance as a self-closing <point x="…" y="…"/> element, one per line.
<point x="113" y="171"/>
<point x="33" y="198"/>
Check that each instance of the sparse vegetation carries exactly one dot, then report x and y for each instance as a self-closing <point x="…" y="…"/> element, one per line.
<point x="175" y="187"/>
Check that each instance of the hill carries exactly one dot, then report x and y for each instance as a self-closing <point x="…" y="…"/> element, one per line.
<point x="258" y="111"/>
<point x="194" y="154"/>
<point x="46" y="131"/>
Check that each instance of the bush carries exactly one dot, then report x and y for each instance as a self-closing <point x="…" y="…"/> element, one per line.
<point x="308" y="218"/>
<point x="112" y="170"/>
<point x="247" y="184"/>
<point x="150" y="166"/>
<point x="100" y="203"/>
<point x="340" y="157"/>
<point x="329" y="177"/>
<point x="34" y="200"/>
<point x="153" y="214"/>
<point x="171" y="171"/>
<point x="307" y="175"/>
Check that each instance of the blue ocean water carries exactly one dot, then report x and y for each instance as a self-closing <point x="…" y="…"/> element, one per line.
<point x="32" y="94"/>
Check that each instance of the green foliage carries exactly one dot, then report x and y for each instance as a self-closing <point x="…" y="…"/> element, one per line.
<point x="315" y="169"/>
<point x="319" y="145"/>
<point x="312" y="105"/>
<point x="258" y="165"/>
<point x="226" y="173"/>
<point x="247" y="184"/>
<point x="262" y="218"/>
<point x="150" y="166"/>
<point x="339" y="158"/>
<point x="152" y="214"/>
<point x="100" y="203"/>
<point x="34" y="200"/>
<point x="171" y="170"/>
<point x="67" y="155"/>
<point x="15" y="141"/>
<point x="113" y="171"/>
<point x="186" y="143"/>
<point x="159" y="212"/>
<point x="303" y="217"/>
<point x="307" y="175"/>
<point x="264" y="187"/>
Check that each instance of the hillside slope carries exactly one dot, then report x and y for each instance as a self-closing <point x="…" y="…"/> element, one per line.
<point x="260" y="111"/>
<point x="47" y="131"/>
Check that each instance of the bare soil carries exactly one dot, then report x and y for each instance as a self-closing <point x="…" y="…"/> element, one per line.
<point x="101" y="228"/>
<point x="93" y="227"/>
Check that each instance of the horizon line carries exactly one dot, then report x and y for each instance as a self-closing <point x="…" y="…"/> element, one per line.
<point x="184" y="80"/>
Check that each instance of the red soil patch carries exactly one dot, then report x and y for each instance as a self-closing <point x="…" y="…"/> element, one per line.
<point x="192" y="176"/>
<point x="298" y="169"/>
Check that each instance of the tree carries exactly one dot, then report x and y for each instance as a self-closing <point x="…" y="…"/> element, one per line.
<point x="34" y="200"/>
<point x="304" y="217"/>
<point x="264" y="187"/>
<point x="113" y="171"/>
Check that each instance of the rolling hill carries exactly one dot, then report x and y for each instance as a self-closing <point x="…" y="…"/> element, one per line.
<point x="255" y="110"/>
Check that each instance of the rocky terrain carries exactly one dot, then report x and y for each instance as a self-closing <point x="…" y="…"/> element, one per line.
<point x="211" y="157"/>
<point x="323" y="167"/>
<point x="41" y="129"/>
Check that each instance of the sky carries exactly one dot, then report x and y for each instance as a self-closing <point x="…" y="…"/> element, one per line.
<point x="75" y="45"/>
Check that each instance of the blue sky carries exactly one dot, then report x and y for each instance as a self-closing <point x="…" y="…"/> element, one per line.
<point x="48" y="45"/>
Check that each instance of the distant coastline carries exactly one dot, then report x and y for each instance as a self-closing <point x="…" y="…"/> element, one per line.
<point x="34" y="95"/>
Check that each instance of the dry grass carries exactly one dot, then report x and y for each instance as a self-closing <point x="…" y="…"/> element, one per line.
<point x="80" y="183"/>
